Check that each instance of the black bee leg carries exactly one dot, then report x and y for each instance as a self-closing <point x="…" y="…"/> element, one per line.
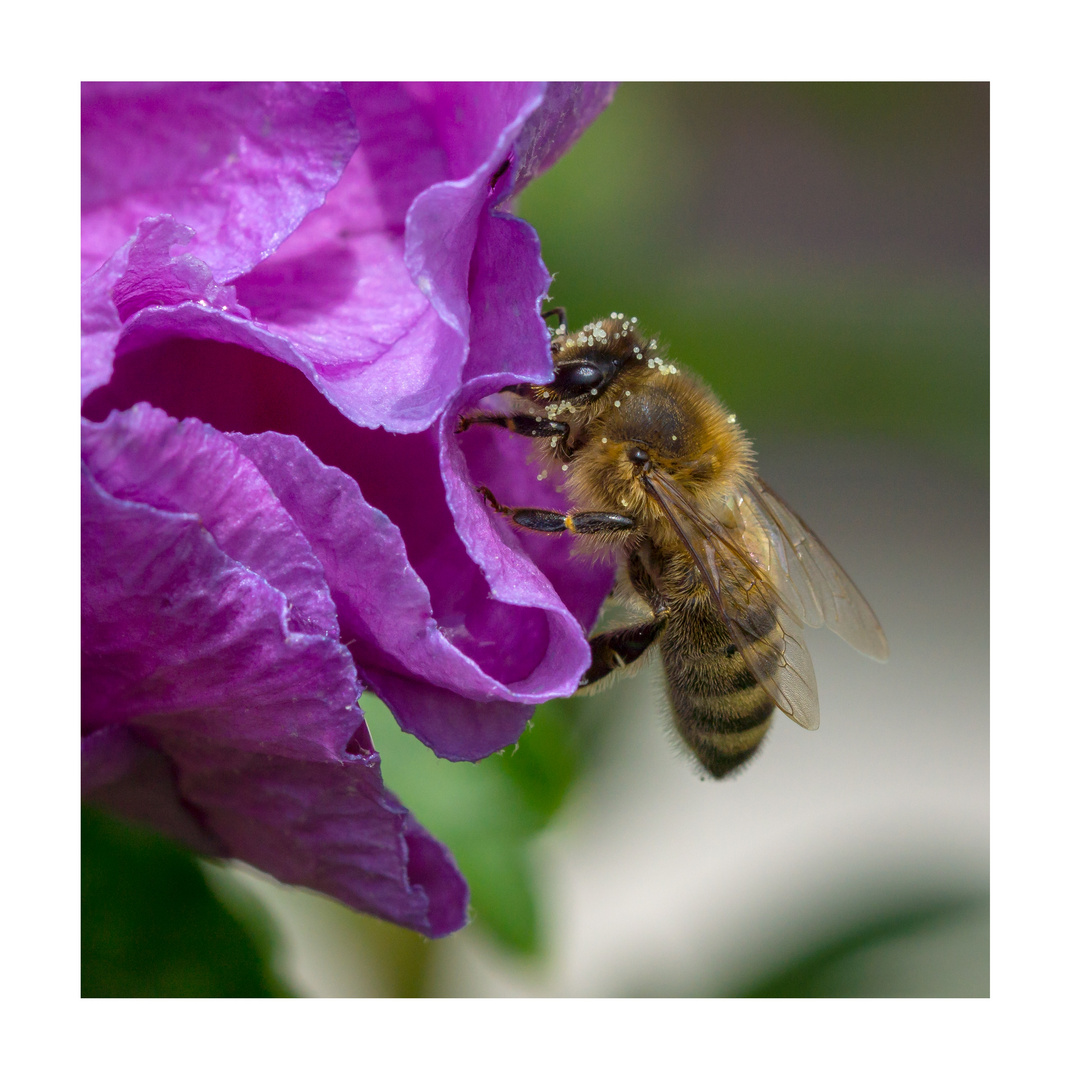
<point x="559" y="312"/>
<point x="535" y="427"/>
<point x="585" y="522"/>
<point x="618" y="648"/>
<point x="644" y="584"/>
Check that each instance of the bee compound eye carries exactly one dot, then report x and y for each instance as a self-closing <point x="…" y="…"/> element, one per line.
<point x="579" y="377"/>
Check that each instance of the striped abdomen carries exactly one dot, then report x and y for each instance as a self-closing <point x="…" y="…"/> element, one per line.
<point x="718" y="708"/>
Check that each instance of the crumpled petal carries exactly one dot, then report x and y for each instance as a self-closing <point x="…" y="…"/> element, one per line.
<point x="453" y="598"/>
<point x="186" y="549"/>
<point x="404" y="603"/>
<point x="101" y="325"/>
<point x="566" y="111"/>
<point x="392" y="248"/>
<point x="242" y="164"/>
<point x="122" y="772"/>
<point x="223" y="636"/>
<point x="334" y="311"/>
<point x="330" y="827"/>
<point x="144" y="273"/>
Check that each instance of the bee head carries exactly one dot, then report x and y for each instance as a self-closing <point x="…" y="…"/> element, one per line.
<point x="581" y="376"/>
<point x="587" y="361"/>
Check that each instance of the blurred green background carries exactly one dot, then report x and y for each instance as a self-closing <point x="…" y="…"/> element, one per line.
<point x="820" y="253"/>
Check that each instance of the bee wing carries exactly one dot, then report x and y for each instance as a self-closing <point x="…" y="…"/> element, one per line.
<point x="765" y="631"/>
<point x="810" y="582"/>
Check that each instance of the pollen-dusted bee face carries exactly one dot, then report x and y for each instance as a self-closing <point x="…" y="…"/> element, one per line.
<point x="583" y="365"/>
<point x="614" y="390"/>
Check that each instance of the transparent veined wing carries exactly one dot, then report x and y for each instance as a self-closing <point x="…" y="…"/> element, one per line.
<point x="767" y="634"/>
<point x="811" y="583"/>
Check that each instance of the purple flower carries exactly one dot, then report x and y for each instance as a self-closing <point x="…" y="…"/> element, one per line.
<point x="289" y="294"/>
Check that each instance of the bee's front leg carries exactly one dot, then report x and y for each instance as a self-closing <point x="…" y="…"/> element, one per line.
<point x="535" y="427"/>
<point x="583" y="522"/>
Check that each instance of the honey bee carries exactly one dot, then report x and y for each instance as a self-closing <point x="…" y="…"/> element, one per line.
<point x="723" y="571"/>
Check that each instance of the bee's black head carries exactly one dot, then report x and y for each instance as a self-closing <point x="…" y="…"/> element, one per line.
<point x="588" y="360"/>
<point x="585" y="374"/>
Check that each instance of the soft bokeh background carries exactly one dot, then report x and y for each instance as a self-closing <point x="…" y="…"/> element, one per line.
<point x="820" y="253"/>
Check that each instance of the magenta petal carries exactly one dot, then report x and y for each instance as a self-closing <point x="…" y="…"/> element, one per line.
<point x="455" y="727"/>
<point x="431" y="867"/>
<point x="144" y="455"/>
<point x="124" y="774"/>
<point x="566" y="111"/>
<point x="329" y="827"/>
<point x="155" y="277"/>
<point x="508" y="286"/>
<point x="478" y="125"/>
<point x="177" y="635"/>
<point x="431" y="640"/>
<point x="242" y="164"/>
<point x="226" y="224"/>
<point x="101" y="325"/>
<point x="144" y="277"/>
<point x="338" y="292"/>
<point x="372" y="291"/>
<point x="218" y="703"/>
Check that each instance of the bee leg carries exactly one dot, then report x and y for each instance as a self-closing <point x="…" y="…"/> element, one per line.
<point x="535" y="427"/>
<point x="559" y="312"/>
<point x="644" y="583"/>
<point x="586" y="522"/>
<point x="618" y="648"/>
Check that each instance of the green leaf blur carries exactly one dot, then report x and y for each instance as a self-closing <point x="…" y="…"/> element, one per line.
<point x="884" y="334"/>
<point x="932" y="948"/>
<point x="151" y="927"/>
<point x="488" y="812"/>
